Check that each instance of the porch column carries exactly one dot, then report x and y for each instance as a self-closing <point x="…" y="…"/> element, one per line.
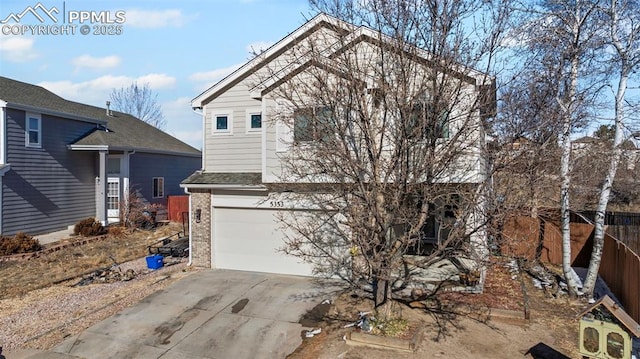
<point x="101" y="190"/>
<point x="200" y="227"/>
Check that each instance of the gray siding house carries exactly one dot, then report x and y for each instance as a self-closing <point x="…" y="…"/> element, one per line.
<point x="63" y="161"/>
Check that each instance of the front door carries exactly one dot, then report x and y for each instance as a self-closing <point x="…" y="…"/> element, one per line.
<point x="113" y="198"/>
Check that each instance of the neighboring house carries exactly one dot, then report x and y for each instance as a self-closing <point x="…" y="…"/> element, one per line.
<point x="233" y="211"/>
<point x="63" y="161"/>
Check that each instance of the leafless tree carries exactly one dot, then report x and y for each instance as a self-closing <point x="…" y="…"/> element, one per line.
<point x="622" y="20"/>
<point x="562" y="37"/>
<point x="387" y="131"/>
<point x="526" y="139"/>
<point x="139" y="101"/>
<point x="584" y="45"/>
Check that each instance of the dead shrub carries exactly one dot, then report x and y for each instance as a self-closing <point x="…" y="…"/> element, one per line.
<point x="20" y="243"/>
<point x="117" y="231"/>
<point x="88" y="228"/>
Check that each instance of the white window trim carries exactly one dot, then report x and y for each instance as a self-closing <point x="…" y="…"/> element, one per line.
<point x="214" y="117"/>
<point x="153" y="189"/>
<point x="248" y="113"/>
<point x="30" y="115"/>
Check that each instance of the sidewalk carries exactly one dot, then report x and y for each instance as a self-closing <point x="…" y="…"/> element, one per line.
<point x="55" y="236"/>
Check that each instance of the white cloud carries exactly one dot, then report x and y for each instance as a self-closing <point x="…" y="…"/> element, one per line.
<point x="96" y="91"/>
<point x="258" y="47"/>
<point x="211" y="77"/>
<point x="17" y="48"/>
<point x="182" y="122"/>
<point x="97" y="63"/>
<point x="155" y="18"/>
<point x="157" y="81"/>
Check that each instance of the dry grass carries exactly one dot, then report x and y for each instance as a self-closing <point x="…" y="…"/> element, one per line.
<point x="20" y="277"/>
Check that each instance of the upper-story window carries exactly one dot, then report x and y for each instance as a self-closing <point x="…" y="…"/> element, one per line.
<point x="33" y="130"/>
<point x="254" y="120"/>
<point x="222" y="122"/>
<point x="428" y="120"/>
<point x="312" y="124"/>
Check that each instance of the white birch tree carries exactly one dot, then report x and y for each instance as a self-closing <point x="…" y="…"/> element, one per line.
<point x="622" y="26"/>
<point x="562" y="36"/>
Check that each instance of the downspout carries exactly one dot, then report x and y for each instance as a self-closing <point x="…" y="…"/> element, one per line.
<point x="3" y="131"/>
<point x="102" y="188"/>
<point x="186" y="190"/>
<point x="198" y="111"/>
<point x="125" y="173"/>
<point x="3" y="154"/>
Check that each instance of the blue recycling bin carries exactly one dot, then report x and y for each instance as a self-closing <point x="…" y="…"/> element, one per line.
<point x="155" y="261"/>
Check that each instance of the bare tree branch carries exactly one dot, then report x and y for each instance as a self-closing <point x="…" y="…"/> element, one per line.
<point x="139" y="101"/>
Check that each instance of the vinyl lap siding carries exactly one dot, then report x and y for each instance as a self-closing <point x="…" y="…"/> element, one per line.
<point x="273" y="166"/>
<point x="50" y="188"/>
<point x="145" y="166"/>
<point x="239" y="152"/>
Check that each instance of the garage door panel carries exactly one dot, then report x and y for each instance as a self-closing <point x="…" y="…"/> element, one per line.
<point x="249" y="239"/>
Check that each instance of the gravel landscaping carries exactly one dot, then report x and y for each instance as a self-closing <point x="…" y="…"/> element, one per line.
<point x="37" y="311"/>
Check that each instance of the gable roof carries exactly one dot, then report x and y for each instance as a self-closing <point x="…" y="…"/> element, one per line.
<point x="124" y="132"/>
<point x="353" y="33"/>
<point x="617" y="312"/>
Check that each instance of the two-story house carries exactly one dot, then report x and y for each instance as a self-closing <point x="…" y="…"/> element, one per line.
<point x="63" y="161"/>
<point x="249" y="128"/>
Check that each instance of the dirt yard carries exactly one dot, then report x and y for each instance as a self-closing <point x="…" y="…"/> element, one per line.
<point x="41" y="304"/>
<point x="458" y="325"/>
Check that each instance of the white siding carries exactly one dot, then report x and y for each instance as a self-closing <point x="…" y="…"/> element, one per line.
<point x="239" y="151"/>
<point x="465" y="128"/>
<point x="245" y="151"/>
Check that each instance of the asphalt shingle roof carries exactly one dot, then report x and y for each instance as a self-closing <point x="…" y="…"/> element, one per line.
<point x="236" y="178"/>
<point x="124" y="131"/>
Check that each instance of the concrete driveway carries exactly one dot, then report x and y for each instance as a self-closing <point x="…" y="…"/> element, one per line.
<point x="209" y="314"/>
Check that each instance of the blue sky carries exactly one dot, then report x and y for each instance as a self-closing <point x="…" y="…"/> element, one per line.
<point x="179" y="48"/>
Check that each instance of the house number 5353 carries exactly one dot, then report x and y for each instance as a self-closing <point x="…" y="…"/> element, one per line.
<point x="277" y="204"/>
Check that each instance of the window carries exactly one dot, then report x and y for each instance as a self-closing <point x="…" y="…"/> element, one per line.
<point x="312" y="124"/>
<point x="33" y="130"/>
<point x="113" y="165"/>
<point x="254" y="120"/>
<point x="222" y="123"/>
<point x="158" y="187"/>
<point x="113" y="194"/>
<point x="428" y="121"/>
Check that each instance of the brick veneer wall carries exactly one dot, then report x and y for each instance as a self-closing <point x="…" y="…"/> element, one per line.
<point x="201" y="231"/>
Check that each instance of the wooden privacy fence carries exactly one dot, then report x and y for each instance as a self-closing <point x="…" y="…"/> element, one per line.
<point x="532" y="238"/>
<point x="176" y="205"/>
<point x="623" y="226"/>
<point x="629" y="235"/>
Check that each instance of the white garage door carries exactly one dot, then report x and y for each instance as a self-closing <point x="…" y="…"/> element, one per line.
<point x="249" y="239"/>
